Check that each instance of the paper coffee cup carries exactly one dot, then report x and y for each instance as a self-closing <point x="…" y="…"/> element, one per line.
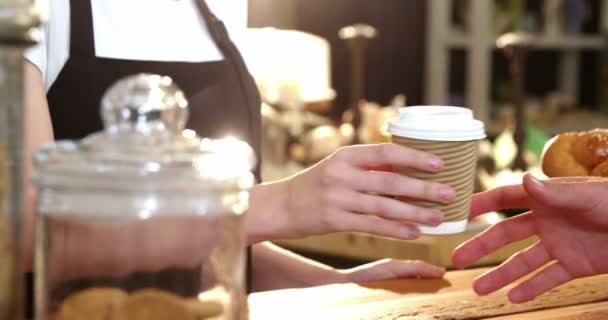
<point x="453" y="134"/>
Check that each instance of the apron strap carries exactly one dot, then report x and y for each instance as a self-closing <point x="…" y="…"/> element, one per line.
<point x="220" y="35"/>
<point x="82" y="41"/>
<point x="215" y="26"/>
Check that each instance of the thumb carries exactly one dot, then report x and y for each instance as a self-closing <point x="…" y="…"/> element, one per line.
<point x="572" y="194"/>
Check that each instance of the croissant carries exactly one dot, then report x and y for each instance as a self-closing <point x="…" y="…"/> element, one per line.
<point x="577" y="154"/>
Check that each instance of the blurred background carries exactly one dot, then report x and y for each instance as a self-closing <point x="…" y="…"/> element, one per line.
<point x="332" y="72"/>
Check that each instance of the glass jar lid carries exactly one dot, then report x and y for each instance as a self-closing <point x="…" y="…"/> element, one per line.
<point x="144" y="146"/>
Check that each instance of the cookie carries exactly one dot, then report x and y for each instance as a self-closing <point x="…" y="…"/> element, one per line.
<point x="92" y="304"/>
<point x="152" y="304"/>
<point x="204" y="309"/>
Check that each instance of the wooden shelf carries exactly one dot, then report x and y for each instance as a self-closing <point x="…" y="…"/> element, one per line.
<point x="458" y="40"/>
<point x="567" y="42"/>
<point x="541" y="42"/>
<point x="479" y="42"/>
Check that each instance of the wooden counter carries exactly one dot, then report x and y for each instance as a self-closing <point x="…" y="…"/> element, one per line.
<point x="445" y="299"/>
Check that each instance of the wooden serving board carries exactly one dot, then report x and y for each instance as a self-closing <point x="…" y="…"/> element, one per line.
<point x="447" y="299"/>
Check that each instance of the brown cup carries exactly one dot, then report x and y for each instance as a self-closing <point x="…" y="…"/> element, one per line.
<point x="460" y="160"/>
<point x="459" y="156"/>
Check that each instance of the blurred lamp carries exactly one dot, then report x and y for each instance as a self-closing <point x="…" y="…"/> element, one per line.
<point x="289" y="66"/>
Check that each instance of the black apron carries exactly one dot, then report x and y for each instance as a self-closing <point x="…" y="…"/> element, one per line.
<point x="222" y="95"/>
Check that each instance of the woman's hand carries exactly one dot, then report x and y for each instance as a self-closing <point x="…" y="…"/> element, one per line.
<point x="392" y="269"/>
<point x="569" y="215"/>
<point x="350" y="190"/>
<point x="275" y="268"/>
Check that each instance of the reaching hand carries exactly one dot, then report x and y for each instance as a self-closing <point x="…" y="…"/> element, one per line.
<point x="569" y="216"/>
<point x="352" y="191"/>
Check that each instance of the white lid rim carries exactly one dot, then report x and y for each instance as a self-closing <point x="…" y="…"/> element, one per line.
<point x="433" y="135"/>
<point x="454" y="137"/>
<point x="437" y="123"/>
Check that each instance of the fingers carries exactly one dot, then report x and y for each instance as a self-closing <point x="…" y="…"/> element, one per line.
<point x="507" y="197"/>
<point x="542" y="282"/>
<point x="346" y="221"/>
<point x="390" y="154"/>
<point x="388" y="208"/>
<point x="519" y="265"/>
<point x="574" y="193"/>
<point x="496" y="237"/>
<point x="398" y="185"/>
<point x="418" y="269"/>
<point x="394" y="269"/>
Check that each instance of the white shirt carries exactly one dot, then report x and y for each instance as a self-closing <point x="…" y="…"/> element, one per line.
<point x="149" y="30"/>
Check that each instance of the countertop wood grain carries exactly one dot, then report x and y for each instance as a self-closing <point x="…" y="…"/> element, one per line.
<point x="450" y="298"/>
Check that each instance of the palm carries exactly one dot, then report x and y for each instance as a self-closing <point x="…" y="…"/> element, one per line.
<point x="573" y="242"/>
<point x="570" y="218"/>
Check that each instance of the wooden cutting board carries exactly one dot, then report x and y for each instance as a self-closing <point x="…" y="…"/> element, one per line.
<point x="447" y="299"/>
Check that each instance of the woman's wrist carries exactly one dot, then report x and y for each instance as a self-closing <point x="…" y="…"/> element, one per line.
<point x="276" y="268"/>
<point x="267" y="217"/>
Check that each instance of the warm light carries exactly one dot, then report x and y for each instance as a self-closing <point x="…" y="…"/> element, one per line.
<point x="148" y="207"/>
<point x="226" y="158"/>
<point x="493" y="218"/>
<point x="189" y="134"/>
<point x="216" y="294"/>
<point x="289" y="65"/>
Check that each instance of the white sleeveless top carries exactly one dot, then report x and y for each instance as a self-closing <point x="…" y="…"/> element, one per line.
<point x="149" y="30"/>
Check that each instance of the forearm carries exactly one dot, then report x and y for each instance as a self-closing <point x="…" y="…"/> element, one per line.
<point x="275" y="268"/>
<point x="266" y="219"/>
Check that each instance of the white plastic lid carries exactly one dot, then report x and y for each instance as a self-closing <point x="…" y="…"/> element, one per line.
<point x="437" y="123"/>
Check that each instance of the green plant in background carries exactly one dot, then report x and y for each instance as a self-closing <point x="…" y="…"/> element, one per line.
<point x="509" y="16"/>
<point x="535" y="140"/>
<point x="517" y="14"/>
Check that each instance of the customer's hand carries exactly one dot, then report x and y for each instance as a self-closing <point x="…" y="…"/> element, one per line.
<point x="569" y="215"/>
<point x="352" y="190"/>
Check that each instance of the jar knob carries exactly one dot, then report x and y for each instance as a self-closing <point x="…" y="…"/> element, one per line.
<point x="144" y="102"/>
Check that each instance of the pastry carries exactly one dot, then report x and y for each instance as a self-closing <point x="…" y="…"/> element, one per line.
<point x="92" y="304"/>
<point x="204" y="309"/>
<point x="152" y="304"/>
<point x="147" y="304"/>
<point x="577" y="154"/>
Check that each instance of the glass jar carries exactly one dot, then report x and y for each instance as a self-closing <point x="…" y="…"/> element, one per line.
<point x="11" y="183"/>
<point x="144" y="219"/>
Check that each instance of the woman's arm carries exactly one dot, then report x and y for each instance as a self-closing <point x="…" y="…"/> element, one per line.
<point x="342" y="193"/>
<point x="276" y="268"/>
<point x="351" y="190"/>
<point x="314" y="202"/>
<point x="38" y="131"/>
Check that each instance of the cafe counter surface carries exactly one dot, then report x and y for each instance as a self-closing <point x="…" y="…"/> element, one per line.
<point x="363" y="247"/>
<point x="450" y="298"/>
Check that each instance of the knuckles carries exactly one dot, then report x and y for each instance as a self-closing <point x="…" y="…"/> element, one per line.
<point x="331" y="174"/>
<point x="387" y="150"/>
<point x="391" y="183"/>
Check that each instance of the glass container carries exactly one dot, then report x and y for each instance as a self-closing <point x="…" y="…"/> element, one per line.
<point x="144" y="219"/>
